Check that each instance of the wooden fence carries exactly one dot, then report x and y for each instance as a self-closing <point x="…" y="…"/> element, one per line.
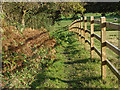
<point x="82" y="32"/>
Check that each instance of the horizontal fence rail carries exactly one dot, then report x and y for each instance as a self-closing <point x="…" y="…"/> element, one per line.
<point x="88" y="42"/>
<point x="88" y="31"/>
<point x="113" y="69"/>
<point x="108" y="24"/>
<point x="77" y="27"/>
<point x="97" y="51"/>
<point x="97" y="21"/>
<point x="113" y="48"/>
<point x="113" y="25"/>
<point x="97" y="37"/>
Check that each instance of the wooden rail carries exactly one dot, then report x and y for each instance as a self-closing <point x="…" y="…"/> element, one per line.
<point x="88" y="31"/>
<point x="113" y="48"/>
<point x="97" y="21"/>
<point x="108" y="24"/>
<point x="113" y="69"/>
<point x="97" y="37"/>
<point x="97" y="51"/>
<point x="113" y="26"/>
<point x="83" y="33"/>
<point x="88" y="42"/>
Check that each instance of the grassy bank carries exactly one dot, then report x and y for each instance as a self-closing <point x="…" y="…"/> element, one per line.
<point x="71" y="66"/>
<point x="74" y="68"/>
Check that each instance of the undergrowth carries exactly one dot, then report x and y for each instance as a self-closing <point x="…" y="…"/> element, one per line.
<point x="24" y="76"/>
<point x="71" y="68"/>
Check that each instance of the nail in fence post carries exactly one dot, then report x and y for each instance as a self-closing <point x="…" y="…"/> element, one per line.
<point x="85" y="19"/>
<point x="82" y="32"/>
<point x="103" y="47"/>
<point x="92" y="37"/>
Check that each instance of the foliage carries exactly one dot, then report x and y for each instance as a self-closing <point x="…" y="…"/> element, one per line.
<point x="41" y="70"/>
<point x="23" y="12"/>
<point x="10" y="60"/>
<point x="68" y="8"/>
<point x="31" y="67"/>
<point x="72" y="67"/>
<point x="28" y="12"/>
<point x="16" y="11"/>
<point x="102" y="7"/>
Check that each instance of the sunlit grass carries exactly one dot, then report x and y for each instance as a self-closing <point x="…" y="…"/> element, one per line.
<point x="73" y="67"/>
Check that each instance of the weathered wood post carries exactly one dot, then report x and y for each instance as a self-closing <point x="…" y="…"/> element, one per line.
<point x="68" y="28"/>
<point x="118" y="84"/>
<point x="85" y="20"/>
<point x="77" y="26"/>
<point x="82" y="32"/>
<point x="92" y="37"/>
<point x="103" y="47"/>
<point x="79" y="30"/>
<point x="74" y="25"/>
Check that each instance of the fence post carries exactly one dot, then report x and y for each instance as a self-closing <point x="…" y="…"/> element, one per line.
<point x="82" y="32"/>
<point x="73" y="26"/>
<point x="92" y="36"/>
<point x="85" y="19"/>
<point x="79" y="30"/>
<point x="118" y="84"/>
<point x="77" y="26"/>
<point x="103" y="47"/>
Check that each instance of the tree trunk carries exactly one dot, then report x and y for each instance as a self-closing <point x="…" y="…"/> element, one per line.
<point x="23" y="18"/>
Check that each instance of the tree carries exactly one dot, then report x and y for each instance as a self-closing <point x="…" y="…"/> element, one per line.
<point x="74" y="8"/>
<point x="23" y="12"/>
<point x="17" y="11"/>
<point x="65" y="8"/>
<point x="102" y="7"/>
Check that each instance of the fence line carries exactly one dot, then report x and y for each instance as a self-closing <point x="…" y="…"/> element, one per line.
<point x="83" y="33"/>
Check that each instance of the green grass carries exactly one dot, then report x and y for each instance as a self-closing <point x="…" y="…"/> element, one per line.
<point x="109" y="18"/>
<point x="72" y="68"/>
<point x="111" y="35"/>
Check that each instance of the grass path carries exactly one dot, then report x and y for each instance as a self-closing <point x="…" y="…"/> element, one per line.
<point x="73" y="68"/>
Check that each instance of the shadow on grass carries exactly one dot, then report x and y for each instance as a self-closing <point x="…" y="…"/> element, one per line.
<point x="79" y="82"/>
<point x="72" y="50"/>
<point x="40" y="79"/>
<point x="77" y="61"/>
<point x="74" y="83"/>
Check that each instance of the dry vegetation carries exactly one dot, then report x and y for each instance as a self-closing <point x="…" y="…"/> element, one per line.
<point x="17" y="47"/>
